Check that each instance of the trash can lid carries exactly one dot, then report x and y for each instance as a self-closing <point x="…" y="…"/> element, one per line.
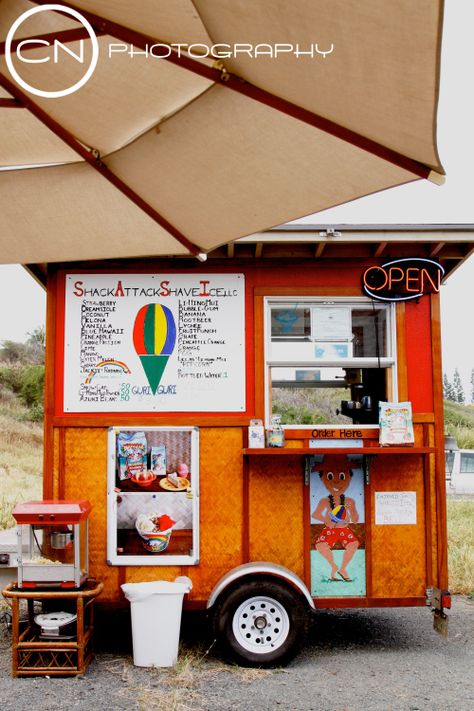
<point x="139" y="591"/>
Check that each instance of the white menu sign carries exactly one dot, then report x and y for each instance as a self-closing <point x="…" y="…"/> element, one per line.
<point x="154" y="342"/>
<point x="395" y="507"/>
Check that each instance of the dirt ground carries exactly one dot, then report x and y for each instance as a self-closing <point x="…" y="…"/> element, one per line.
<point x="354" y="660"/>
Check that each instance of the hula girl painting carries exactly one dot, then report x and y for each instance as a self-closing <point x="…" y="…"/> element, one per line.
<point x="337" y="490"/>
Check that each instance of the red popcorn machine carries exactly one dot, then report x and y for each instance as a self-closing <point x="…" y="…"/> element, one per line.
<point x="56" y="533"/>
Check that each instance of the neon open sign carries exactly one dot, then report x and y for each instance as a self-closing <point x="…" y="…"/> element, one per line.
<point x="403" y="279"/>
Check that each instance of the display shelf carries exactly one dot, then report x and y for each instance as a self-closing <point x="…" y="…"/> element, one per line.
<point x="127" y="486"/>
<point x="32" y="656"/>
<point x="130" y="543"/>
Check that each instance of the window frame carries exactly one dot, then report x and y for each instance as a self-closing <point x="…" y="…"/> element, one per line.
<point x="113" y="492"/>
<point x="388" y="362"/>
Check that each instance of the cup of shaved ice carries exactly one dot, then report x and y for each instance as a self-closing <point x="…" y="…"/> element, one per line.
<point x="155" y="531"/>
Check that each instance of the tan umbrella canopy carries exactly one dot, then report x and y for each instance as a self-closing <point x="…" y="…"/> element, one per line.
<point x="172" y="147"/>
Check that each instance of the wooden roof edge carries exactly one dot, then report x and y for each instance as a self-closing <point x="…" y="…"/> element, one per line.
<point x="39" y="272"/>
<point x="377" y="226"/>
<point x="460" y="238"/>
<point x="367" y="233"/>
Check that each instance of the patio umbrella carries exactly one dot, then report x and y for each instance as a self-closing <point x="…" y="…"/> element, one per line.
<point x="203" y="121"/>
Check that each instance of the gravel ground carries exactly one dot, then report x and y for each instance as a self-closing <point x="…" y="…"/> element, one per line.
<point x="354" y="660"/>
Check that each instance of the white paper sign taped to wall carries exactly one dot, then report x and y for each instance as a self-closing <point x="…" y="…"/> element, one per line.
<point x="395" y="508"/>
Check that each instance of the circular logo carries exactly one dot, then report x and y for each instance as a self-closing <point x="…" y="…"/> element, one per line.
<point x="52" y="8"/>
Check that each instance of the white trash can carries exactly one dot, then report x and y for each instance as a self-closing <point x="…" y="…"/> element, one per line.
<point x="156" y="620"/>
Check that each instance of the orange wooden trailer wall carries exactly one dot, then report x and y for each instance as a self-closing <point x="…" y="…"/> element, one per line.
<point x="254" y="509"/>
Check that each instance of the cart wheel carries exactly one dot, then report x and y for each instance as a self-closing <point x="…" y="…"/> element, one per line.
<point x="261" y="623"/>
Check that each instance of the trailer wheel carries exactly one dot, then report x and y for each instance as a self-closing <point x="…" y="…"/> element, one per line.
<point x="261" y="623"/>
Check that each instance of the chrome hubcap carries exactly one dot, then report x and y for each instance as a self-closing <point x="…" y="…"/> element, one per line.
<point x="261" y="624"/>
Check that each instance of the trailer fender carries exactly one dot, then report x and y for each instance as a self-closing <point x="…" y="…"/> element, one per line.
<point x="259" y="568"/>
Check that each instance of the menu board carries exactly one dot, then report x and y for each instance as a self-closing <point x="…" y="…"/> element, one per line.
<point x="154" y="342"/>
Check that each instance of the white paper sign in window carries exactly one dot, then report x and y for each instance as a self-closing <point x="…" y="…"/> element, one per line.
<point x="154" y="342"/>
<point x="395" y="508"/>
<point x="331" y="324"/>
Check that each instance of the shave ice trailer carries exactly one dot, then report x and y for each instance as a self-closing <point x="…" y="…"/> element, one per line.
<point x="155" y="373"/>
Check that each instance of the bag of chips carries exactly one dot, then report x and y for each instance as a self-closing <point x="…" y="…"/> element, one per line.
<point x="131" y="452"/>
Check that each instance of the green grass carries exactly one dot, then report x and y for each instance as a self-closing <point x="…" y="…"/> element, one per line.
<point x="21" y="459"/>
<point x="461" y="545"/>
<point x="459" y="423"/>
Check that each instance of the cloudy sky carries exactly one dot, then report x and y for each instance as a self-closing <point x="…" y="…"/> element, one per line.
<point x="23" y="303"/>
<point x="452" y="203"/>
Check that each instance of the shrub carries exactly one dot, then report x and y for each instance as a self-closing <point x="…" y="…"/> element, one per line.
<point x="13" y="352"/>
<point x="11" y="377"/>
<point x="32" y="387"/>
<point x="35" y="413"/>
<point x="7" y="395"/>
<point x="23" y="384"/>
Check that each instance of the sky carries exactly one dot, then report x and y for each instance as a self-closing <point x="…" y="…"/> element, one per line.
<point x="451" y="203"/>
<point x="420" y="202"/>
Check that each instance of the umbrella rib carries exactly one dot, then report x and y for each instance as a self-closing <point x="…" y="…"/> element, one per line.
<point x="10" y="104"/>
<point x="235" y="83"/>
<point x="93" y="159"/>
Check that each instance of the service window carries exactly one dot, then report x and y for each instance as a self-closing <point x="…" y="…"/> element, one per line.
<point x="153" y="496"/>
<point x="329" y="361"/>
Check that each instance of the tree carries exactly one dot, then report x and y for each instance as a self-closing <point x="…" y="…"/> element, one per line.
<point x="13" y="352"/>
<point x="445" y="387"/>
<point x="37" y="335"/>
<point x="472" y="385"/>
<point x="35" y="344"/>
<point x="448" y="389"/>
<point x="458" y="388"/>
<point x="29" y="353"/>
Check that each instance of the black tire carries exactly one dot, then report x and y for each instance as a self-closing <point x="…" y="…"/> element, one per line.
<point x="261" y="622"/>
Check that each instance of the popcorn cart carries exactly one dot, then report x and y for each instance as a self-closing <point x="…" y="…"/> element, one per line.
<point x="57" y="536"/>
<point x="53" y="575"/>
<point x="157" y="368"/>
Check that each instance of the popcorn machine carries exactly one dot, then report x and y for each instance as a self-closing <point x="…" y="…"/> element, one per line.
<point x="57" y="543"/>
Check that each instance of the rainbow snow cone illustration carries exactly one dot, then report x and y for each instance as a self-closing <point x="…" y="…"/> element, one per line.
<point x="154" y="338"/>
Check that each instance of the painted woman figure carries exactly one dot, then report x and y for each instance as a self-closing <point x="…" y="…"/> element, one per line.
<point x="336" y="511"/>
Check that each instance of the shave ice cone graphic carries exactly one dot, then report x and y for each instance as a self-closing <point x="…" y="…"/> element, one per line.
<point x="154" y="338"/>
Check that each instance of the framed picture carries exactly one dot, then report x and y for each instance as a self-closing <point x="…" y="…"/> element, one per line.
<point x="337" y="525"/>
<point x="153" y="496"/>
